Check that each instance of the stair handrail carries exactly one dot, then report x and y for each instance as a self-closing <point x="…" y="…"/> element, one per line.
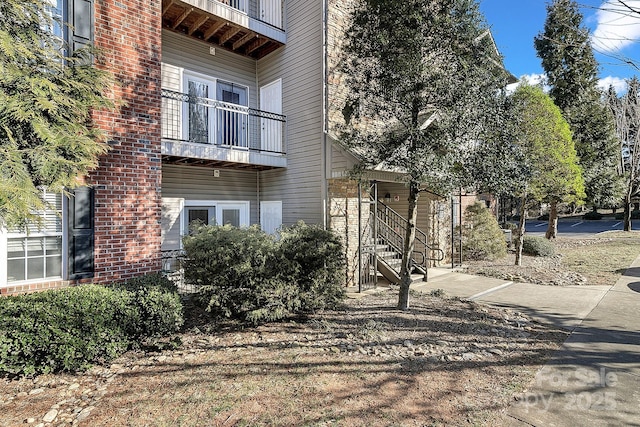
<point x="421" y="236"/>
<point x="386" y="241"/>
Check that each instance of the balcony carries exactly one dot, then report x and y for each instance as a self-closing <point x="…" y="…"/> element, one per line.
<point x="252" y="28"/>
<point x="208" y="132"/>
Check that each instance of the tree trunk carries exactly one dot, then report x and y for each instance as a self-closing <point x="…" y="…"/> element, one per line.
<point x="552" y="228"/>
<point x="627" y="211"/>
<point x="407" y="250"/>
<point x="520" y="231"/>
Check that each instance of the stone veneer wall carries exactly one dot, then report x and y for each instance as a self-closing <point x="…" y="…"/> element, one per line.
<point x="337" y="22"/>
<point x="343" y="220"/>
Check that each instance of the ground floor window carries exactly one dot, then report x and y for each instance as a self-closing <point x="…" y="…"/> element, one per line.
<point x="36" y="254"/>
<point x="215" y="213"/>
<point x="30" y="258"/>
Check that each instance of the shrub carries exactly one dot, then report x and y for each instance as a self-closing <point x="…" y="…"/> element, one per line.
<point x="246" y="274"/>
<point x="635" y="214"/>
<point x="65" y="330"/>
<point x="537" y="246"/>
<point x="318" y="265"/>
<point x="483" y="238"/>
<point x="234" y="269"/>
<point x="592" y="215"/>
<point x="544" y="217"/>
<point x="71" y="329"/>
<point x="509" y="226"/>
<point x="158" y="306"/>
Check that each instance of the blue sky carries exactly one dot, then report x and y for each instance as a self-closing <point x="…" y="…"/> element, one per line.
<point x="615" y="35"/>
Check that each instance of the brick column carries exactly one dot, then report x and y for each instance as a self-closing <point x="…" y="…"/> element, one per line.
<point x="128" y="180"/>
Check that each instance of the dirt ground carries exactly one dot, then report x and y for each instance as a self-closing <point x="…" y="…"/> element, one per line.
<point x="597" y="260"/>
<point x="444" y="362"/>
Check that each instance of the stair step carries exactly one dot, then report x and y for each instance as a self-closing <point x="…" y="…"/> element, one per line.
<point x="415" y="278"/>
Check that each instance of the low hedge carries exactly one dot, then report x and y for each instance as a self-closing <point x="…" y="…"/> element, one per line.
<point x="592" y="215"/>
<point x="158" y="307"/>
<point x="71" y="329"/>
<point x="537" y="246"/>
<point x="634" y="215"/>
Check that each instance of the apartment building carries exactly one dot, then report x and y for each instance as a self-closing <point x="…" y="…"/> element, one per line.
<point x="227" y="117"/>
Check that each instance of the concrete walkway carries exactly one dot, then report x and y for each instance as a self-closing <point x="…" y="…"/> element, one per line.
<point x="594" y="379"/>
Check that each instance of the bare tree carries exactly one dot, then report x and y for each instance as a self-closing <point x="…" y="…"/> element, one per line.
<point x="626" y="110"/>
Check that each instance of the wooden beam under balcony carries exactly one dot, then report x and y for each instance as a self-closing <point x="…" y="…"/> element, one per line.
<point x="219" y="24"/>
<point x="197" y="24"/>
<point x="255" y="44"/>
<point x="182" y="17"/>
<point x="166" y="6"/>
<point x="213" y="29"/>
<point x="228" y="35"/>
<point x="243" y="40"/>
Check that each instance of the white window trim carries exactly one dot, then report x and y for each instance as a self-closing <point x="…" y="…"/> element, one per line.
<point x="3" y="257"/>
<point x="244" y="205"/>
<point x="5" y="235"/>
<point x="213" y="83"/>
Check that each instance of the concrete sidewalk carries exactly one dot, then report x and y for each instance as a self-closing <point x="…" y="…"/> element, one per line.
<point x="563" y="306"/>
<point x="594" y="379"/>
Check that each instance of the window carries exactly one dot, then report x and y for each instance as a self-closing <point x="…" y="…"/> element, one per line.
<point x="205" y="215"/>
<point x="232" y="122"/>
<point x="217" y="111"/>
<point x="214" y="212"/>
<point x="37" y="254"/>
<point x="199" y="119"/>
<point x="78" y="14"/>
<point x="56" y="13"/>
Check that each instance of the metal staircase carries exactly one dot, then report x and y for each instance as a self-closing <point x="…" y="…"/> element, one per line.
<point x="390" y="230"/>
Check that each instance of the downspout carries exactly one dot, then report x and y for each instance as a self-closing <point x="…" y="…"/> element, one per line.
<point x="258" y="207"/>
<point x="453" y="229"/>
<point x="325" y="111"/>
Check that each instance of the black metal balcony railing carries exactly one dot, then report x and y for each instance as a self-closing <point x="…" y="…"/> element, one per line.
<point x="208" y="121"/>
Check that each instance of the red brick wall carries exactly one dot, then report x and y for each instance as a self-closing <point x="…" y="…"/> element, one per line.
<point x="127" y="182"/>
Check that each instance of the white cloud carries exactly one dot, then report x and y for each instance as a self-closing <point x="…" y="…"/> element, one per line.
<point x="620" y="85"/>
<point x="617" y="26"/>
<point x="532" y="79"/>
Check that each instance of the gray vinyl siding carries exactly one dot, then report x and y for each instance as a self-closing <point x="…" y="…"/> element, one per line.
<point x="341" y="161"/>
<point x="300" y="66"/>
<point x="198" y="183"/>
<point x="193" y="55"/>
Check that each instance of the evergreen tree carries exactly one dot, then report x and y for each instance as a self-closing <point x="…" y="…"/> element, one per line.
<point x="424" y="80"/>
<point x="482" y="236"/>
<point x="545" y="138"/>
<point x="572" y="73"/>
<point x="46" y="101"/>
